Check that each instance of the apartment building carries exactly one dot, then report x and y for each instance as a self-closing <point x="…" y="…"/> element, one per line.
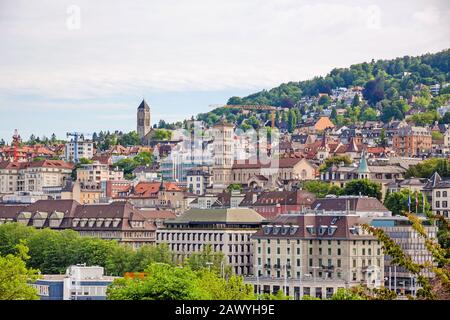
<point x="315" y="254"/>
<point x="225" y="230"/>
<point x="412" y="141"/>
<point x="35" y="176"/>
<point x="399" y="229"/>
<point x="98" y="172"/>
<point x="77" y="150"/>
<point x="198" y="181"/>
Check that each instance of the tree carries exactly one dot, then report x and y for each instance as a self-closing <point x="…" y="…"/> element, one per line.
<point x="363" y="187"/>
<point x="162" y="134"/>
<point x="345" y="294"/>
<point x="292" y="120"/>
<point x="235" y="186"/>
<point x="324" y="100"/>
<point x="355" y="101"/>
<point x="397" y="202"/>
<point x="166" y="282"/>
<point x="335" y="160"/>
<point x="15" y="276"/>
<point x="426" y="168"/>
<point x="2" y="143"/>
<point x="321" y="189"/>
<point x="382" y="141"/>
<point x="129" y="139"/>
<point x="374" y="91"/>
<point x="369" y="114"/>
<point x="162" y="282"/>
<point x="206" y="259"/>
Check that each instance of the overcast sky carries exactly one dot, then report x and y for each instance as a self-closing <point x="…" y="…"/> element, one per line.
<point x="85" y="65"/>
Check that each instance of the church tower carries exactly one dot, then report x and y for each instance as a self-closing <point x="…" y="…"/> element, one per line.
<point x="223" y="146"/>
<point x="143" y="119"/>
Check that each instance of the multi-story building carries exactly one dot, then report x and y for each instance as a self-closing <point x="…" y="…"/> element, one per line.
<point x="83" y="148"/>
<point x="79" y="283"/>
<point x="98" y="172"/>
<point x="399" y="229"/>
<point x="120" y="221"/>
<point x="225" y="230"/>
<point x="35" y="176"/>
<point x="412" y="141"/>
<point x="315" y="254"/>
<point x="437" y="192"/>
<point x="198" y="181"/>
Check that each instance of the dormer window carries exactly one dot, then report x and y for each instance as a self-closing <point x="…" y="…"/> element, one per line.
<point x="293" y="230"/>
<point x="75" y="222"/>
<point x="108" y="222"/>
<point x="267" y="229"/>
<point x="91" y="222"/>
<point x="276" y="229"/>
<point x="322" y="230"/>
<point x="116" y="222"/>
<point x="83" y="222"/>
<point x="332" y="230"/>
<point x="284" y="230"/>
<point x="311" y="230"/>
<point x="99" y="222"/>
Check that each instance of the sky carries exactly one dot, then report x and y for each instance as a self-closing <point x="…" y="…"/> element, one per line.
<point x="86" y="65"/>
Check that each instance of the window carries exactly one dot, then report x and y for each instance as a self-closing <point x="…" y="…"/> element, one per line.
<point x="329" y="251"/>
<point x="354" y="263"/>
<point x="438" y="194"/>
<point x="339" y="251"/>
<point x="310" y="262"/>
<point x="310" y="250"/>
<point x="444" y="193"/>
<point x="438" y="204"/>
<point x="339" y="263"/>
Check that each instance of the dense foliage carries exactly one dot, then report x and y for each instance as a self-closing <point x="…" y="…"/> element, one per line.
<point x="382" y="78"/>
<point x="426" y="168"/>
<point x="15" y="275"/>
<point x="53" y="251"/>
<point x="166" y="282"/>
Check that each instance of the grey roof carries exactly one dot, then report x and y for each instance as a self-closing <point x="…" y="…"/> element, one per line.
<point x="230" y="215"/>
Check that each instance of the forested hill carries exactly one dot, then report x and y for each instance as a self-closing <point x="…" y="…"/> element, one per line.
<point x="389" y="77"/>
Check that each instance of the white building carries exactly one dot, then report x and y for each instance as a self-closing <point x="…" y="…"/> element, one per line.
<point x="84" y="149"/>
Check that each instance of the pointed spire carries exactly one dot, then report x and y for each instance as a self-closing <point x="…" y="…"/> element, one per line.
<point x="144" y="105"/>
<point x="363" y="166"/>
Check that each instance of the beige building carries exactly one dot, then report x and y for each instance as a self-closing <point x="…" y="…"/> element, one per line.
<point x="412" y="141"/>
<point x="315" y="254"/>
<point x="225" y="230"/>
<point x="97" y="172"/>
<point x="36" y="176"/>
<point x="223" y="154"/>
<point x="265" y="175"/>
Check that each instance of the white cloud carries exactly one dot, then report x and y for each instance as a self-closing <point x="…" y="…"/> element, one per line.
<point x="131" y="47"/>
<point x="429" y="16"/>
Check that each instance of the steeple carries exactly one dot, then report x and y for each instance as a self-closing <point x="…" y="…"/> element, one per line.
<point x="363" y="168"/>
<point x="143" y="120"/>
<point x="144" y="105"/>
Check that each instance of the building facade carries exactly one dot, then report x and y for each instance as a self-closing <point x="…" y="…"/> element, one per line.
<point x="315" y="255"/>
<point x="225" y="230"/>
<point x="412" y="141"/>
<point x="143" y="120"/>
<point x="36" y="176"/>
